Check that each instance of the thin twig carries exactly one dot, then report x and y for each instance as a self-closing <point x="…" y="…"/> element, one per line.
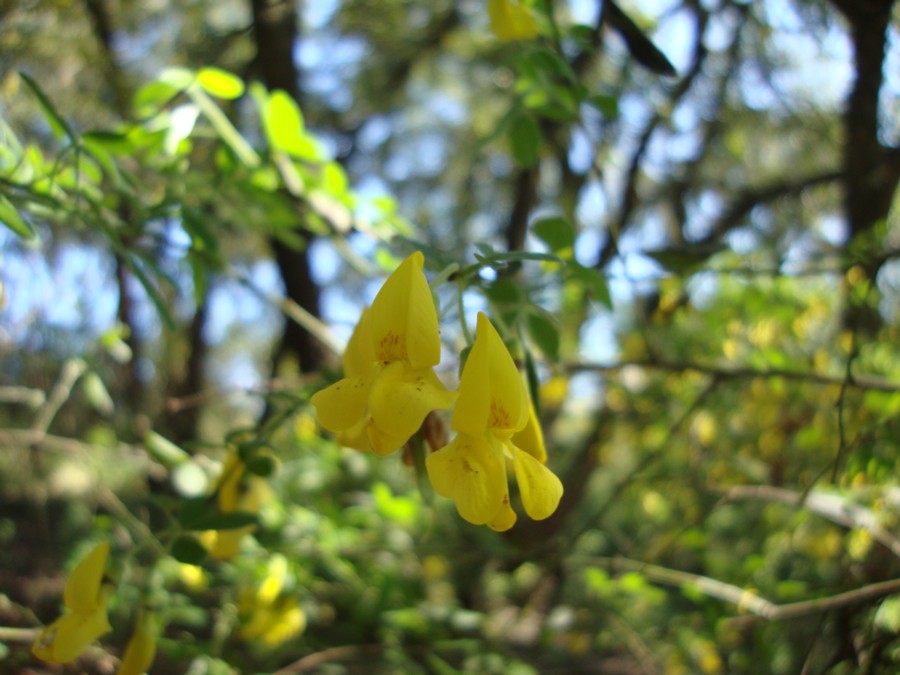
<point x="315" y="326"/>
<point x="24" y="395"/>
<point x="313" y="661"/>
<point x="872" y="382"/>
<point x="68" y="376"/>
<point x="111" y="501"/>
<point x="12" y="634"/>
<point x="746" y="599"/>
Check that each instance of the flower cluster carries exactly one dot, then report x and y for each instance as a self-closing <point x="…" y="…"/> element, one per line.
<point x="270" y="616"/>
<point x="236" y="490"/>
<point x="496" y="425"/>
<point x="390" y="387"/>
<point x="85" y="598"/>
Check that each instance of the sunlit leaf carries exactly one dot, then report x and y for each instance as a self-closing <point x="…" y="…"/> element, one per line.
<point x="284" y="127"/>
<point x="220" y="83"/>
<point x="887" y="617"/>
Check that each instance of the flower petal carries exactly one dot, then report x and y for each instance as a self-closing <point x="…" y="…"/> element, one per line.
<point x="491" y="392"/>
<point x="505" y="517"/>
<point x="472" y="473"/>
<point x="230" y="482"/>
<point x="141" y="647"/>
<point x="82" y="592"/>
<point x="359" y="355"/>
<point x="531" y="438"/>
<point x="541" y="490"/>
<point x="66" y="638"/>
<point x="356" y="437"/>
<point x="403" y="319"/>
<point x="343" y="404"/>
<point x="511" y="21"/>
<point x="400" y="399"/>
<point x="225" y="544"/>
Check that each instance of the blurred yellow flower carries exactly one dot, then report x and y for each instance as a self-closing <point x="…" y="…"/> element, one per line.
<point x="270" y="618"/>
<point x="511" y="20"/>
<point x="236" y="492"/>
<point x="496" y="426"/>
<point x="141" y="647"/>
<point x="85" y="598"/>
<point x="389" y="385"/>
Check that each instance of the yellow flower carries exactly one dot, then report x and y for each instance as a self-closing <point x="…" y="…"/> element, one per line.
<point x="235" y="493"/>
<point x="511" y="20"/>
<point x="389" y="385"/>
<point x="141" y="647"/>
<point x="496" y="426"/>
<point x="85" y="598"/>
<point x="268" y="617"/>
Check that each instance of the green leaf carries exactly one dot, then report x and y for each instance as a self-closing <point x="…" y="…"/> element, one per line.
<point x="216" y="520"/>
<point x="504" y="292"/>
<point x="194" y="510"/>
<point x="247" y="450"/>
<point x="262" y="465"/>
<point x="334" y="180"/>
<point x="164" y="450"/>
<point x="593" y="280"/>
<point x="550" y="65"/>
<point x="525" y="139"/>
<point x="58" y="125"/>
<point x="501" y="257"/>
<point x="283" y="124"/>
<point x="220" y="83"/>
<point x="684" y="259"/>
<point x="104" y="159"/>
<point x="583" y="34"/>
<point x="188" y="550"/>
<point x="194" y="222"/>
<point x="97" y="394"/>
<point x="485" y="250"/>
<point x="113" y="142"/>
<point x="152" y="292"/>
<point x="642" y="49"/>
<point x="152" y="97"/>
<point x="558" y="233"/>
<point x="545" y="334"/>
<point x="608" y="105"/>
<point x="887" y="617"/>
<point x="10" y="217"/>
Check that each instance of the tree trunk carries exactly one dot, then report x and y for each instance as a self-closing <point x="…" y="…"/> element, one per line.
<point x="275" y="33"/>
